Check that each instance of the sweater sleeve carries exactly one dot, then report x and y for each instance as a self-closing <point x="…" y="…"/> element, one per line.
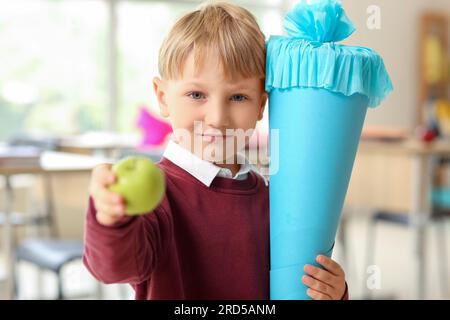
<point x="128" y="251"/>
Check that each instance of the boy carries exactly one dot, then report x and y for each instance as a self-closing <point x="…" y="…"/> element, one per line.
<point x="209" y="238"/>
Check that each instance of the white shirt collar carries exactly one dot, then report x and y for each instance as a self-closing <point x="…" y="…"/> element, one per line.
<point x="203" y="170"/>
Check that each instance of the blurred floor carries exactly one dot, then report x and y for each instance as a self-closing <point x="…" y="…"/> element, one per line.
<point x="78" y="284"/>
<point x="394" y="257"/>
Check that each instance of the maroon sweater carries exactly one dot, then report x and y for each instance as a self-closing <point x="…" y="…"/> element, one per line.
<point x="200" y="243"/>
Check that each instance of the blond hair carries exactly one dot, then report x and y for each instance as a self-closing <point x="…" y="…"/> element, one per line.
<point x="227" y="30"/>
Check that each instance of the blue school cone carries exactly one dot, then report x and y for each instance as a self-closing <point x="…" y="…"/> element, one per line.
<point x="319" y="92"/>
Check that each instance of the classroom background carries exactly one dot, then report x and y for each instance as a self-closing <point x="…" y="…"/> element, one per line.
<point x="76" y="90"/>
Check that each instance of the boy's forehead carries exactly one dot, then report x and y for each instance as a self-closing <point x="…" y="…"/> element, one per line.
<point x="211" y="70"/>
<point x="208" y="65"/>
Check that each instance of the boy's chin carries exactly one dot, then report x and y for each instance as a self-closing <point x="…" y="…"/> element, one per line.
<point x="214" y="153"/>
<point x="219" y="158"/>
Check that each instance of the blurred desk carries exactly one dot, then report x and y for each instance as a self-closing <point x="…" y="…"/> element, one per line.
<point x="409" y="146"/>
<point x="50" y="163"/>
<point x="99" y="143"/>
<point x="424" y="158"/>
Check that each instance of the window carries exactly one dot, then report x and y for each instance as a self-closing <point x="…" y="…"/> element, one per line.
<point x="53" y="70"/>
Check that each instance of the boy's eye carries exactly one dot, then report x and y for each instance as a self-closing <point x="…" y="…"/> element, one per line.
<point x="238" y="98"/>
<point x="196" y="95"/>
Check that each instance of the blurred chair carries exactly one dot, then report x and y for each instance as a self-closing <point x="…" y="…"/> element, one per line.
<point x="38" y="216"/>
<point x="44" y="250"/>
<point x="49" y="254"/>
<point x="440" y="213"/>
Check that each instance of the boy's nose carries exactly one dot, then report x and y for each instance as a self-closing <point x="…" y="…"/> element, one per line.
<point x="217" y="115"/>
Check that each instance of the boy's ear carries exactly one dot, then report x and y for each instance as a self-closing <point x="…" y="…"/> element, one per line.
<point x="262" y="106"/>
<point x="160" y="91"/>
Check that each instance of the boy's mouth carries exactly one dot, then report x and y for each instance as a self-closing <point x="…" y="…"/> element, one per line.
<point x="213" y="137"/>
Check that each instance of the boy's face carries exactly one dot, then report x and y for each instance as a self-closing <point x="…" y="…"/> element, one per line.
<point x="202" y="105"/>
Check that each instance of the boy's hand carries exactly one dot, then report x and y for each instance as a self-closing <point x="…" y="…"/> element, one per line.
<point x="327" y="284"/>
<point x="110" y="206"/>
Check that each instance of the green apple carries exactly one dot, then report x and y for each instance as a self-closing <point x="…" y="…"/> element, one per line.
<point x="140" y="182"/>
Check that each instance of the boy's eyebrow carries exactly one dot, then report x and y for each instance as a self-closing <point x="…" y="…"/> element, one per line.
<point x="243" y="87"/>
